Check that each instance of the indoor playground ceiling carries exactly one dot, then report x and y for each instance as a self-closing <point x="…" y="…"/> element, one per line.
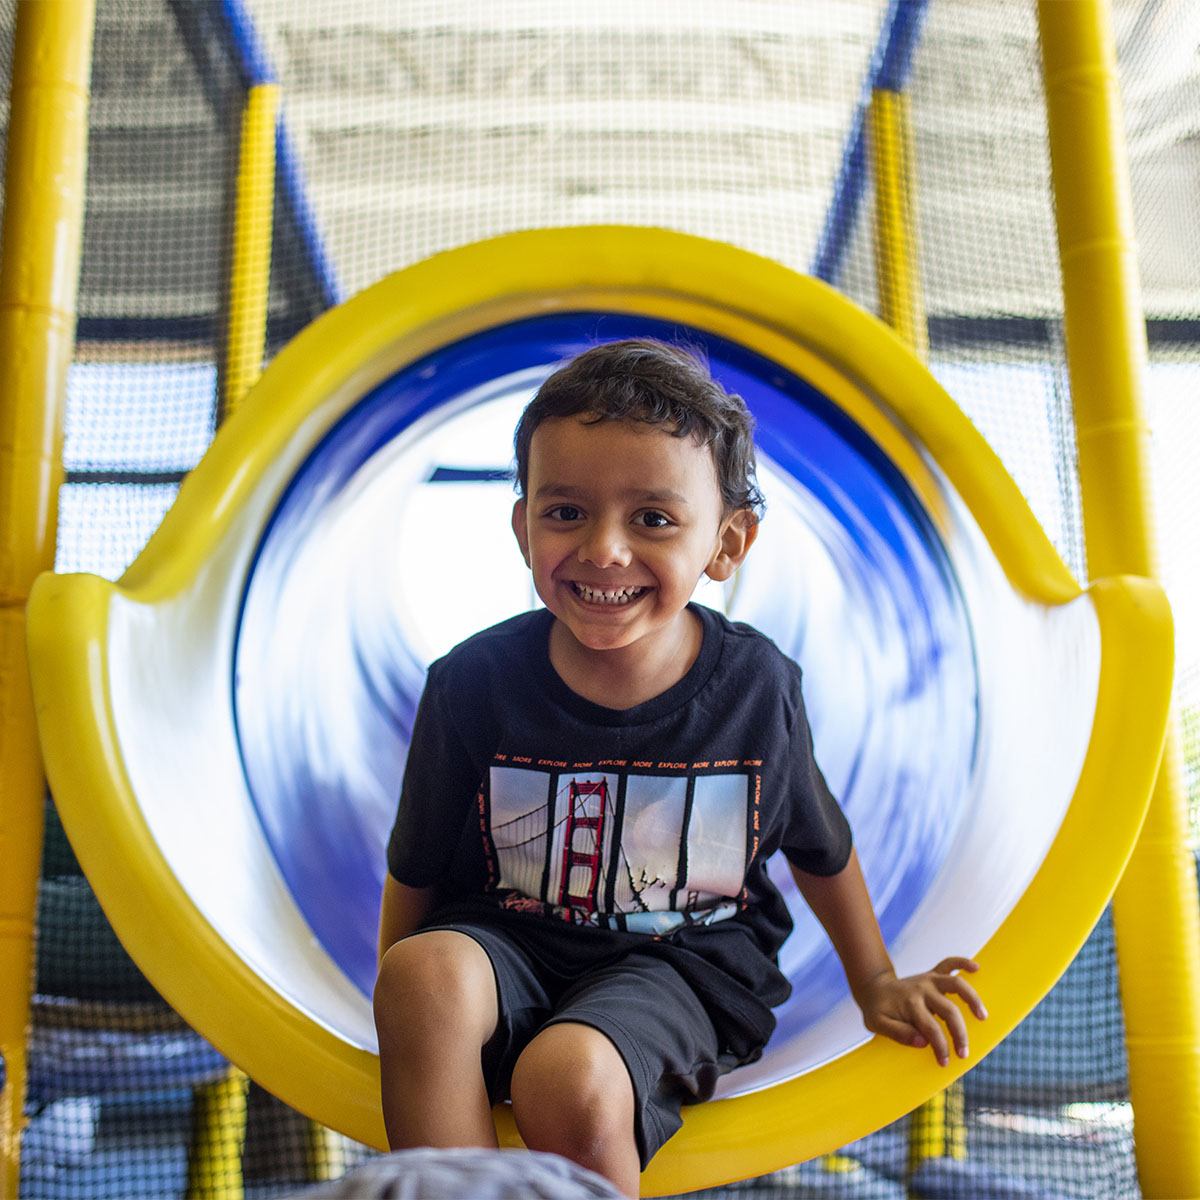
<point x="416" y="126"/>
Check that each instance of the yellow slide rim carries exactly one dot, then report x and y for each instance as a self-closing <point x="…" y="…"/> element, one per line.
<point x="805" y="326"/>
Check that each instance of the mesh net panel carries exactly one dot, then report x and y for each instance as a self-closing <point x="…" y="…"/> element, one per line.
<point x="410" y="128"/>
<point x="1162" y="99"/>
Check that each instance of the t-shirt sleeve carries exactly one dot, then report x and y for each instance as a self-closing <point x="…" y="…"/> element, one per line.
<point x="440" y="782"/>
<point x="816" y="835"/>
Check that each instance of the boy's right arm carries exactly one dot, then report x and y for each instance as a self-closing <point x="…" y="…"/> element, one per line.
<point x="402" y="910"/>
<point x="910" y="1009"/>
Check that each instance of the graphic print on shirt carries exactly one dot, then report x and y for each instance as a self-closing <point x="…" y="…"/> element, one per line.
<point x="606" y="846"/>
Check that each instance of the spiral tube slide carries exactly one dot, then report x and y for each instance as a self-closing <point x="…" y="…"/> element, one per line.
<point x="225" y="728"/>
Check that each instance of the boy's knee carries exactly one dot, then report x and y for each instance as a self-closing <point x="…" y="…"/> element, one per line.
<point x="571" y="1091"/>
<point x="435" y="983"/>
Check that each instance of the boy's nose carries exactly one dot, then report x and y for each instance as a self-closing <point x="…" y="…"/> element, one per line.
<point x="605" y="545"/>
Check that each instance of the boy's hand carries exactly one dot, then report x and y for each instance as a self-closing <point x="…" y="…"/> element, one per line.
<point x="917" y="1010"/>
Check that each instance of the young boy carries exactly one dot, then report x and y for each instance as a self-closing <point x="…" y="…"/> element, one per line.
<point x="578" y="915"/>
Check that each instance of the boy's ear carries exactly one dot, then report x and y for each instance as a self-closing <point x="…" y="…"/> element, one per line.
<point x="521" y="529"/>
<point x="737" y="535"/>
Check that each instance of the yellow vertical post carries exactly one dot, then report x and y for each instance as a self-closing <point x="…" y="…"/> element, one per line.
<point x="1156" y="911"/>
<point x="897" y="276"/>
<point x="39" y="280"/>
<point x="250" y="259"/>
<point x="937" y="1129"/>
<point x="325" y="1153"/>
<point x="219" y="1117"/>
<point x="218" y="1138"/>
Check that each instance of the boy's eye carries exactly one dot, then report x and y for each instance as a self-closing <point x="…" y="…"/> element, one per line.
<point x="653" y="520"/>
<point x="564" y="512"/>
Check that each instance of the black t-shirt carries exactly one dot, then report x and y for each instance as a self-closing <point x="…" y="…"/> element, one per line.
<point x="531" y="808"/>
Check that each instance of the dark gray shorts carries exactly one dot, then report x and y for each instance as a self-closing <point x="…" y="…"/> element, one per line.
<point x="639" y="1002"/>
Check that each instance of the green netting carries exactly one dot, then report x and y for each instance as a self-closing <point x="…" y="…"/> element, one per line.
<point x="409" y="128"/>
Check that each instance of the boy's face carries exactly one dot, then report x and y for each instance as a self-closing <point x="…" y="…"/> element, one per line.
<point x="619" y="522"/>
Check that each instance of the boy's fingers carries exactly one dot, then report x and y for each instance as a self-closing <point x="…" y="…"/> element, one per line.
<point x="958" y="1032"/>
<point x="951" y="1015"/>
<point x="971" y="996"/>
<point x="929" y="1028"/>
<point x="900" y="1031"/>
<point x="960" y="987"/>
<point x="931" y="1015"/>
<point x="949" y="965"/>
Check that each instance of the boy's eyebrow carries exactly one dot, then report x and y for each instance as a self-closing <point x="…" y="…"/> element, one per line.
<point x="645" y="496"/>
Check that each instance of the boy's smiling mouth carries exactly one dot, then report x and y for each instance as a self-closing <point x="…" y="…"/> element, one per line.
<point x="612" y="596"/>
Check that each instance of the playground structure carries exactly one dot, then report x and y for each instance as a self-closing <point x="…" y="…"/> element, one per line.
<point x="196" y="573"/>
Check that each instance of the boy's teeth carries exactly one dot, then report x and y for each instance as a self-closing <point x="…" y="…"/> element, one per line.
<point x="614" y="596"/>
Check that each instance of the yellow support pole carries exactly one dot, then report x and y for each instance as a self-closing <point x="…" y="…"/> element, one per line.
<point x="39" y="280"/>
<point x="1156" y="910"/>
<point x="219" y="1118"/>
<point x="218" y="1139"/>
<point x="897" y="273"/>
<point x="250" y="265"/>
<point x="938" y="1128"/>
<point x="325" y="1153"/>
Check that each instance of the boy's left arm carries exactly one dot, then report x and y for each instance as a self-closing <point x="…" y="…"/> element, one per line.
<point x="915" y="1010"/>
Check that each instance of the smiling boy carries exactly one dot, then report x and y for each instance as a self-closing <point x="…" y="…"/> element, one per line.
<point x="577" y="915"/>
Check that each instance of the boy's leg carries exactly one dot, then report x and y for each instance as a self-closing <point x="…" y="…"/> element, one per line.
<point x="603" y="1082"/>
<point x="572" y="1095"/>
<point x="435" y="1010"/>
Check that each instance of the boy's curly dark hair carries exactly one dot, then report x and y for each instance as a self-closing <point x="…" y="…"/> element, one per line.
<point x="640" y="379"/>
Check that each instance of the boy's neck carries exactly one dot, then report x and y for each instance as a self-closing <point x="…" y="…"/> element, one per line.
<point x="631" y="675"/>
